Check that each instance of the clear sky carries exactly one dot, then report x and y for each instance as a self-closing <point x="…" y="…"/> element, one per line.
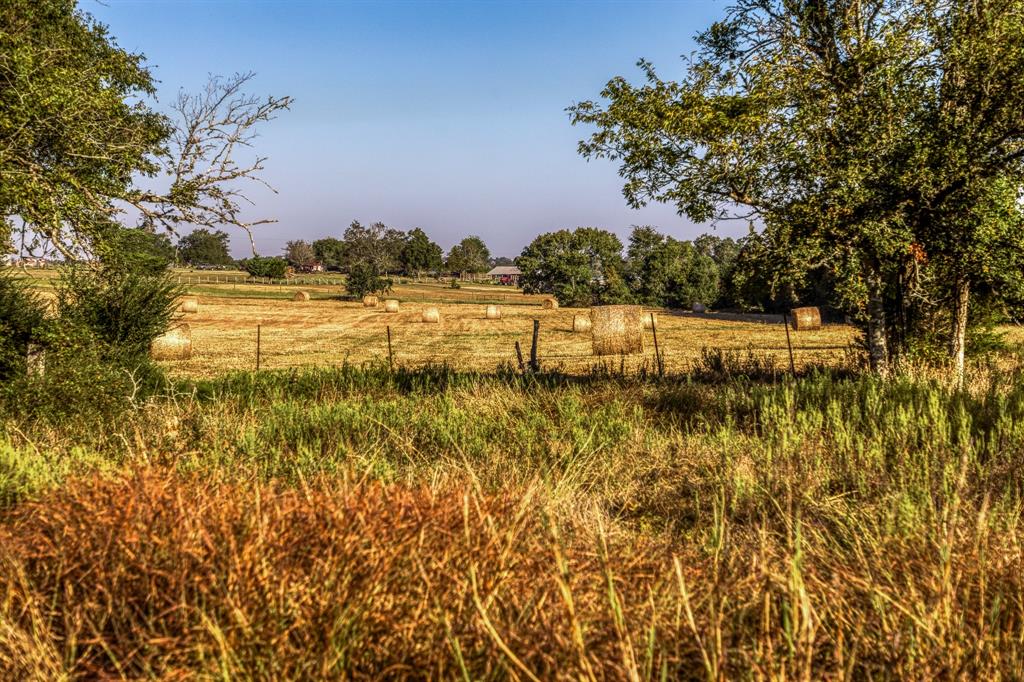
<point x="449" y="116"/>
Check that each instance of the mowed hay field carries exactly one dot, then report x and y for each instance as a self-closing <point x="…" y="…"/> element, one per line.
<point x="327" y="331"/>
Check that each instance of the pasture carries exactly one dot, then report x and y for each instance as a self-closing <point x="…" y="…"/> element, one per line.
<point x="328" y="331"/>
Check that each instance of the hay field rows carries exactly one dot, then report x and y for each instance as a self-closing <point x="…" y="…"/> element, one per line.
<point x="327" y="332"/>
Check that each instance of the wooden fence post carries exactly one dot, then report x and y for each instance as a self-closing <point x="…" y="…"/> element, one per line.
<point x="534" y="360"/>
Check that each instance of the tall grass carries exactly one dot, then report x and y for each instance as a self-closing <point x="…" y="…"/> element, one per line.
<point x="358" y="522"/>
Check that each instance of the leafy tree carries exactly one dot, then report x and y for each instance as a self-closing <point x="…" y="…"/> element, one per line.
<point x="667" y="272"/>
<point x="861" y="134"/>
<point x="498" y="261"/>
<point x="577" y="267"/>
<point x="470" y="255"/>
<point x="76" y="132"/>
<point x="261" y="266"/>
<point x="364" y="278"/>
<point x="377" y="244"/>
<point x="138" y="250"/>
<point x="330" y="252"/>
<point x="203" y="247"/>
<point x="419" y="253"/>
<point x="300" y="255"/>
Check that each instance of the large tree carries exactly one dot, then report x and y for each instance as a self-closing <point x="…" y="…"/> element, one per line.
<point x="77" y="133"/>
<point x="579" y="267"/>
<point x="203" y="247"/>
<point x="470" y="255"/>
<point x="419" y="254"/>
<point x="300" y="254"/>
<point x="330" y="252"/>
<point x="663" y="271"/>
<point x="857" y="131"/>
<point x="377" y="245"/>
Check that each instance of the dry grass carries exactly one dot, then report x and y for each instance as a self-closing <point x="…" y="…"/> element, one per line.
<point x="158" y="575"/>
<point x="329" y="332"/>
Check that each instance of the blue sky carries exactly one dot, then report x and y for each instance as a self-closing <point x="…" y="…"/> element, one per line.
<point x="449" y="116"/>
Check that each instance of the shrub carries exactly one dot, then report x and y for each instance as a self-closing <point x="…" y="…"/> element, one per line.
<point x="259" y="266"/>
<point x="123" y="310"/>
<point x="364" y="278"/>
<point x="22" y="316"/>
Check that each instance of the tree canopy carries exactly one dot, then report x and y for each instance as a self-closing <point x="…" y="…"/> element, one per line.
<point x="204" y="247"/>
<point x="300" y="254"/>
<point x="420" y="254"/>
<point x="470" y="255"/>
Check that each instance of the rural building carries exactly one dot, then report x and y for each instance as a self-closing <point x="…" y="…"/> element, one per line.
<point x="505" y="274"/>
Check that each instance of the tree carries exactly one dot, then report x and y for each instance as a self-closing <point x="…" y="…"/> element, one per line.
<point x="330" y="252"/>
<point x="419" y="253"/>
<point x="498" y="261"/>
<point x="663" y="271"/>
<point x="300" y="255"/>
<point x="378" y="245"/>
<point x="364" y="278"/>
<point x="856" y="131"/>
<point x="470" y="255"/>
<point x="203" y="247"/>
<point x="260" y="266"/>
<point x="138" y="250"/>
<point x="578" y="268"/>
<point x="76" y="134"/>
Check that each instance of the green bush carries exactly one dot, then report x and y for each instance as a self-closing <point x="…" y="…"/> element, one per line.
<point x="259" y="266"/>
<point x="363" y="279"/>
<point x="22" y="317"/>
<point x="124" y="311"/>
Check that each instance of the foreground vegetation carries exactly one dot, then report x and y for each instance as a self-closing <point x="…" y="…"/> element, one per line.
<point x="434" y="523"/>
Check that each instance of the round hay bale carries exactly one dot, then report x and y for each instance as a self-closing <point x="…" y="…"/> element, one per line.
<point x="391" y="305"/>
<point x="699" y="308"/>
<point x="493" y="312"/>
<point x="369" y="301"/>
<point x="189" y="304"/>
<point x="550" y="304"/>
<point x="806" y="319"/>
<point x="174" y="344"/>
<point x="581" y="323"/>
<point x="301" y="296"/>
<point x="648" y="321"/>
<point x="616" y="329"/>
<point x="431" y="315"/>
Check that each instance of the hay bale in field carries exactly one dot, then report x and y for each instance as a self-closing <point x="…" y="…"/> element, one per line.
<point x="806" y="319"/>
<point x="493" y="312"/>
<point x="174" y="344"/>
<point x="391" y="305"/>
<point x="369" y="301"/>
<point x="616" y="329"/>
<point x="550" y="303"/>
<point x="189" y="304"/>
<point x="699" y="308"/>
<point x="431" y="315"/>
<point x="648" y="321"/>
<point x="301" y="296"/>
<point x="581" y="323"/>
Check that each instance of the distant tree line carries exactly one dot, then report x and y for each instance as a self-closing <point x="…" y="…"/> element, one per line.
<point x="589" y="266"/>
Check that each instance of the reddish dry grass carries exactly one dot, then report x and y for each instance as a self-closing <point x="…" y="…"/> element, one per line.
<point x="156" y="575"/>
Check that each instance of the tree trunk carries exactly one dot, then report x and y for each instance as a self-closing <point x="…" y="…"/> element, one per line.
<point x="958" y="339"/>
<point x="878" y="351"/>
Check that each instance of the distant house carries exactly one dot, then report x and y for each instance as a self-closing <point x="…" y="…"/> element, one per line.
<point x="505" y="274"/>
